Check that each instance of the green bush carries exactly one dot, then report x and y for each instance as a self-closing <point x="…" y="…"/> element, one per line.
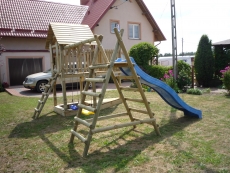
<point x="222" y="58"/>
<point x="157" y="71"/>
<point x="184" y="74"/>
<point x="226" y="78"/>
<point x="194" y="91"/>
<point x="1" y="88"/>
<point x="142" y="53"/>
<point x="204" y="62"/>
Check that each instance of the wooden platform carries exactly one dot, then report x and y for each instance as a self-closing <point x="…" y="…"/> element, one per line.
<point x="59" y="109"/>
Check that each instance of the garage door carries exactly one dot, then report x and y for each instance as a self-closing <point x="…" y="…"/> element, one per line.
<point x="19" y="68"/>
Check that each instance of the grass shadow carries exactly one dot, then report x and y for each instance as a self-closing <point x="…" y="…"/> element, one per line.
<point x="47" y="123"/>
<point x="117" y="156"/>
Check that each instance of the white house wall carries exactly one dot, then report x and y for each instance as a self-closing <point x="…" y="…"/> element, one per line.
<point x="126" y="12"/>
<point x="17" y="43"/>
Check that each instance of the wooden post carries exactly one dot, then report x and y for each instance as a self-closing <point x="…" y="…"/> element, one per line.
<point x="192" y="76"/>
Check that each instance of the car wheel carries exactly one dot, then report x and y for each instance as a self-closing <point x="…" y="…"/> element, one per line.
<point x="40" y="87"/>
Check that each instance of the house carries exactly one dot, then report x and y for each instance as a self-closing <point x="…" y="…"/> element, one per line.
<point x="24" y="26"/>
<point x="222" y="55"/>
<point x="131" y="15"/>
<point x="167" y="61"/>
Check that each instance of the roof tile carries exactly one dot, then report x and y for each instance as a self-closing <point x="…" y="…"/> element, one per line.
<point x="35" y="15"/>
<point x="96" y="11"/>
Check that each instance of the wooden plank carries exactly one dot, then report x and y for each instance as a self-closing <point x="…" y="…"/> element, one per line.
<point x="108" y="117"/>
<point x="103" y="129"/>
<point x="95" y="79"/>
<point x="79" y="120"/>
<point x="134" y="100"/>
<point x="78" y="136"/>
<point x="93" y="94"/>
<point x="140" y="111"/>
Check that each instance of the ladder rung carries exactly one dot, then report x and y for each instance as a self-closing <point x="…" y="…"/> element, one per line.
<point x="121" y="64"/>
<point x="91" y="93"/>
<point x="95" y="79"/>
<point x="40" y="101"/>
<point x="78" y="136"/>
<point x="82" y="122"/>
<point x="140" y="111"/>
<point x="44" y="94"/>
<point x="129" y="89"/>
<point x="135" y="100"/>
<point x="37" y="110"/>
<point x="126" y="77"/>
<point x="89" y="108"/>
<point x="99" y="66"/>
<point x="47" y="85"/>
<point x="108" y="117"/>
<point x="102" y="129"/>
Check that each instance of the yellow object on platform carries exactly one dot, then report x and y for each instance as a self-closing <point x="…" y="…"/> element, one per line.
<point x="86" y="112"/>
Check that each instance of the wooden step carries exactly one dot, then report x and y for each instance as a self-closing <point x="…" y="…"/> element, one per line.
<point x="130" y="89"/>
<point x="45" y="94"/>
<point x="37" y="110"/>
<point x="102" y="129"/>
<point x="126" y="77"/>
<point x="89" y="108"/>
<point x="82" y="122"/>
<point x="135" y="100"/>
<point x="47" y="85"/>
<point x="99" y="66"/>
<point x="41" y="102"/>
<point x="91" y="94"/>
<point x="140" y="111"/>
<point x="78" y="136"/>
<point x="95" y="79"/>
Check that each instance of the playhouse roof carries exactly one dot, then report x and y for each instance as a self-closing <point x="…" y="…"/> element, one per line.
<point x="31" y="18"/>
<point x="66" y="34"/>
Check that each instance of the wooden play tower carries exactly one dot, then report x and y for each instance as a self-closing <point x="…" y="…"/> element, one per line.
<point x="91" y="123"/>
<point x="72" y="48"/>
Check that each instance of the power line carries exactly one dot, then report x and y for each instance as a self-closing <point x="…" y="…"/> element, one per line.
<point x="164" y="8"/>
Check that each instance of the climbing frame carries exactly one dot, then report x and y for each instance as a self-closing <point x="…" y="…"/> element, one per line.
<point x="91" y="123"/>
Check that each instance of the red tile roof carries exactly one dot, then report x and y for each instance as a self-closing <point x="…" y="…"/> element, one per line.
<point x="31" y="18"/>
<point x="98" y="8"/>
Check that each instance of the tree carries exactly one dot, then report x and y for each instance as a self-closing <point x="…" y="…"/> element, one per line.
<point x="143" y="52"/>
<point x="167" y="54"/>
<point x="204" y="62"/>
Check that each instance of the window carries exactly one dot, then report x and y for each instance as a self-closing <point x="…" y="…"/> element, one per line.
<point x="114" y="24"/>
<point x="134" y="31"/>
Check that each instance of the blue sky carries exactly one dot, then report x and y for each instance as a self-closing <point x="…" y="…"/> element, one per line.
<point x="193" y="19"/>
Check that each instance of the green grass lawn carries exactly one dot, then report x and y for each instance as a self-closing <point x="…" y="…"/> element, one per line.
<point x="186" y="145"/>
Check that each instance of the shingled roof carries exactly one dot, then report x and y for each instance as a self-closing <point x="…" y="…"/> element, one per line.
<point x="98" y="8"/>
<point x="31" y="18"/>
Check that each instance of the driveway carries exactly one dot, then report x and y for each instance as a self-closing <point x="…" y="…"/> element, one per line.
<point x="24" y="92"/>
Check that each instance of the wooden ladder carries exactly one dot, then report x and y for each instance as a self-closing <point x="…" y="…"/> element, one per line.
<point x="45" y="95"/>
<point x="91" y="123"/>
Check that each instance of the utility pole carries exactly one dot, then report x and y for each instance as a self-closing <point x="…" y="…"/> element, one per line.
<point x="174" y="39"/>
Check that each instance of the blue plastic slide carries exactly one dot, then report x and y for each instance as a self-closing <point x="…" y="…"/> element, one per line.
<point x="165" y="91"/>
